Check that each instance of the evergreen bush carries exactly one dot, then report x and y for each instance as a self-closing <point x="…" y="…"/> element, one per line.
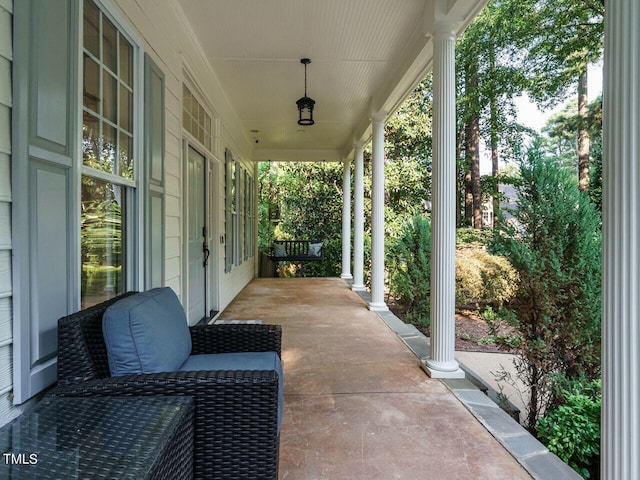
<point x="409" y="264"/>
<point x="555" y="246"/>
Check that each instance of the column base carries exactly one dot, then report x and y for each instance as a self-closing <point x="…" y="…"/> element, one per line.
<point x="346" y="276"/>
<point x="437" y="373"/>
<point x="378" y="307"/>
<point x="358" y="288"/>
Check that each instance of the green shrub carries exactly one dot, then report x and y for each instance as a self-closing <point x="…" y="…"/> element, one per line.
<point x="483" y="278"/>
<point x="409" y="263"/>
<point x="467" y="235"/>
<point x="553" y="242"/>
<point x="572" y="430"/>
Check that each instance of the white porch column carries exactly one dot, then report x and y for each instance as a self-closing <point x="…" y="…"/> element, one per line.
<point x="442" y="363"/>
<point x="346" y="221"/>
<point x="621" y="244"/>
<point x="358" y="220"/>
<point x="377" y="215"/>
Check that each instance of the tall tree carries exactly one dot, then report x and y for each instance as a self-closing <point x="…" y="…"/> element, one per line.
<point x="489" y="79"/>
<point x="473" y="196"/>
<point x="562" y="37"/>
<point x="584" y="140"/>
<point x="494" y="131"/>
<point x="564" y="127"/>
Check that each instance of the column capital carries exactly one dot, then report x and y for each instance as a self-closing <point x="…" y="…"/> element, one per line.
<point x="378" y="117"/>
<point x="445" y="28"/>
<point x="438" y="16"/>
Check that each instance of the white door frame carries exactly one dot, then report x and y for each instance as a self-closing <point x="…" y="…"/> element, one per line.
<point x="211" y="280"/>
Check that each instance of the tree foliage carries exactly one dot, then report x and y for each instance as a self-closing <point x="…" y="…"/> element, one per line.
<point x="560" y="38"/>
<point x="554" y="244"/>
<point x="408" y="159"/>
<point x="301" y="201"/>
<point x="562" y="130"/>
<point x="490" y="76"/>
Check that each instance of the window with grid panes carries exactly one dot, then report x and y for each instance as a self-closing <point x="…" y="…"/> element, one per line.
<point x="108" y="145"/>
<point x="195" y="119"/>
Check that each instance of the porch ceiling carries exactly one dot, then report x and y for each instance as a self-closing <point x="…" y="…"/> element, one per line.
<point x="367" y="55"/>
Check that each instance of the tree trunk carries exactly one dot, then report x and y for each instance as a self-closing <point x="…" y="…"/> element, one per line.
<point x="468" y="198"/>
<point x="473" y="199"/>
<point x="533" y="406"/>
<point x="460" y="184"/>
<point x="474" y="154"/>
<point x="584" y="141"/>
<point x="493" y="120"/>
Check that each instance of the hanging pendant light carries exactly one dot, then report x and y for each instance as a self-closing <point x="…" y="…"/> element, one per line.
<point x="305" y="104"/>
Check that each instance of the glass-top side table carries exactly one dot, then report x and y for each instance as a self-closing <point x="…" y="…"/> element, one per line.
<point x="100" y="438"/>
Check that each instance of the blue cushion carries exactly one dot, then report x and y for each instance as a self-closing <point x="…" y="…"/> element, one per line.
<point x="146" y="333"/>
<point x="240" y="361"/>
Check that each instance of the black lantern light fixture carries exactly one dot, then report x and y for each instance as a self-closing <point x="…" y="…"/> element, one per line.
<point x="305" y="104"/>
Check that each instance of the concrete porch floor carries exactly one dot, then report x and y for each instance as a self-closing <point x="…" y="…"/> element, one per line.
<point x="357" y="403"/>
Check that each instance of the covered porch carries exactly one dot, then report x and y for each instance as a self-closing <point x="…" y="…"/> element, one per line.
<point x="357" y="403"/>
<point x="207" y="90"/>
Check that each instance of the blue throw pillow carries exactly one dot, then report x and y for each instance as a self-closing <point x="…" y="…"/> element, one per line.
<point x="314" y="249"/>
<point x="146" y="333"/>
<point x="279" y="250"/>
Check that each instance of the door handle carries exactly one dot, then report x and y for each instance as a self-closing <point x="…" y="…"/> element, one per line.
<point x="205" y="248"/>
<point x="206" y="252"/>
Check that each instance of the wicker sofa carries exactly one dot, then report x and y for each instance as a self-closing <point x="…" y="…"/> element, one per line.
<point x="236" y="411"/>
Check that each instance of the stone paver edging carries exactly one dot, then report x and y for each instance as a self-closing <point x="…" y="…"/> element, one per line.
<point x="530" y="453"/>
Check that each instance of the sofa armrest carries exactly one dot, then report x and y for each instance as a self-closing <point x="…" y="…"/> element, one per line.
<point x="236" y="415"/>
<point x="230" y="338"/>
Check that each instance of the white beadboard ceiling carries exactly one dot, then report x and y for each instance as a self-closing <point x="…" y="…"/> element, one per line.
<point x="366" y="56"/>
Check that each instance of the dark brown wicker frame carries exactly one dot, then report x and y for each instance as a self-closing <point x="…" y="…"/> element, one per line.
<point x="236" y="412"/>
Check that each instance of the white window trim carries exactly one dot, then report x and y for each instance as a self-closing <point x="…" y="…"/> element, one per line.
<point x="135" y="221"/>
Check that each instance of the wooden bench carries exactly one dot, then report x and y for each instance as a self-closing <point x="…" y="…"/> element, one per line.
<point x="297" y="251"/>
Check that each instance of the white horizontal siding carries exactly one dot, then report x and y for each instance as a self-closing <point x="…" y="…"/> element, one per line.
<point x="6" y="320"/>
<point x="6" y="43"/>
<point x="172" y="186"/>
<point x="5" y="129"/>
<point x="5" y="225"/>
<point x="172" y="226"/>
<point x="5" y="177"/>
<point x="5" y="273"/>
<point x="173" y="247"/>
<point x="5" y="81"/>
<point x="7" y="410"/>
<point x="172" y="206"/>
<point x="6" y="370"/>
